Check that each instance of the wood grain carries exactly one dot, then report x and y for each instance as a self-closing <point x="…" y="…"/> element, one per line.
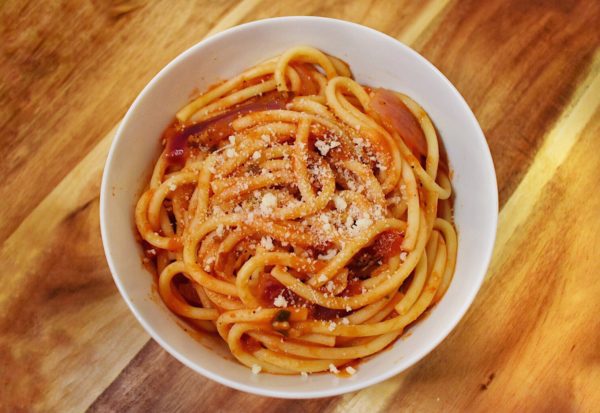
<point x="531" y="72"/>
<point x="70" y="76"/>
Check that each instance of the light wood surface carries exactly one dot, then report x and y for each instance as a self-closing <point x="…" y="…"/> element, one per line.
<point x="529" y="69"/>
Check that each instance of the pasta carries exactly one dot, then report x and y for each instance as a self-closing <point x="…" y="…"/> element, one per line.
<point x="303" y="217"/>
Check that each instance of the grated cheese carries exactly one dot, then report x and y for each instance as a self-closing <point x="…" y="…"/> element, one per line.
<point x="340" y="203"/>
<point x="323" y="147"/>
<point x="268" y="202"/>
<point x="267" y="243"/>
<point x="326" y="257"/>
<point x="207" y="263"/>
<point x="363" y="223"/>
<point x="280" y="301"/>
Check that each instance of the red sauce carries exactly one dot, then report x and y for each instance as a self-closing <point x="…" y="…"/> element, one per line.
<point x="396" y="115"/>
<point x="269" y="289"/>
<point x="149" y="249"/>
<point x="174" y="243"/>
<point x="406" y="284"/>
<point x="318" y="312"/>
<point x="250" y="344"/>
<point x="386" y="245"/>
<point x="353" y="288"/>
<point x="308" y="85"/>
<point x="320" y="249"/>
<point x="177" y="135"/>
<point x="176" y="143"/>
<point x="187" y="290"/>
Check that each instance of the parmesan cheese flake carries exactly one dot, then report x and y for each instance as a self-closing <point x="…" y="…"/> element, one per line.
<point x="280" y="301"/>
<point x="340" y="203"/>
<point x="267" y="203"/>
<point x="326" y="257"/>
<point x="267" y="243"/>
<point x="323" y="147"/>
<point x="363" y="223"/>
<point x="330" y="286"/>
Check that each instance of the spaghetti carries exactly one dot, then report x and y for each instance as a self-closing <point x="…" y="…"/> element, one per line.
<point x="303" y="217"/>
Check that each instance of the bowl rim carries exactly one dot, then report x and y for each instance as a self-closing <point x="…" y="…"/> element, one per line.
<point x="257" y="389"/>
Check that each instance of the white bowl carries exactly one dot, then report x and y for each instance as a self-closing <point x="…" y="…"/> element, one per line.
<point x="376" y="60"/>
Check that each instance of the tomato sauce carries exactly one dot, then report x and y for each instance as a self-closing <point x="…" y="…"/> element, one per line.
<point x="386" y="245"/>
<point x="148" y="249"/>
<point x="268" y="289"/>
<point x="318" y="312"/>
<point x="397" y="116"/>
<point x="353" y="288"/>
<point x="218" y="127"/>
<point x="308" y="85"/>
<point x="186" y="290"/>
<point x="250" y="344"/>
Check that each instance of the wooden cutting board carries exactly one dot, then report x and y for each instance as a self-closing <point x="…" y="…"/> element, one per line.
<point x="529" y="69"/>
